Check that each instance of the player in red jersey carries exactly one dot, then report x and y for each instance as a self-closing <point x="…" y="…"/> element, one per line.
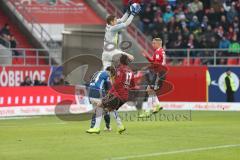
<point x="159" y="56"/>
<point x="154" y="77"/>
<point x="118" y="94"/>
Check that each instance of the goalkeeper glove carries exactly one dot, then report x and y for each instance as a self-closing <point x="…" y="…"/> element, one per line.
<point x="135" y="9"/>
<point x="130" y="2"/>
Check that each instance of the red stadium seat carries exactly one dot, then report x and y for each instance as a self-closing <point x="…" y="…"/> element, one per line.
<point x="197" y="62"/>
<point x="232" y="61"/>
<point x="185" y="61"/>
<point x="22" y="40"/>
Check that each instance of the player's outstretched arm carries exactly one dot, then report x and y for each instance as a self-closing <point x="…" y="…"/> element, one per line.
<point x="124" y="18"/>
<point x="126" y="14"/>
<point x="134" y="11"/>
<point x="121" y="26"/>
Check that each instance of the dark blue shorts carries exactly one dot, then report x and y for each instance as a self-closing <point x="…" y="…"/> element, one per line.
<point x="96" y="93"/>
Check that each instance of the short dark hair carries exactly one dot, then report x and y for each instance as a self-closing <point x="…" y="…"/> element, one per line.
<point x="124" y="59"/>
<point x="112" y="70"/>
<point x="110" y="18"/>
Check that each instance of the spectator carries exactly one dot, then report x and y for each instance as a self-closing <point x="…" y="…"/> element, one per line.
<point x="189" y="15"/>
<point x="216" y="5"/>
<point x="194" y="24"/>
<point x="191" y="42"/>
<point x="203" y="43"/>
<point x="224" y="43"/>
<point x="178" y="44"/>
<point x="172" y="2"/>
<point x="154" y="6"/>
<point x="227" y="5"/>
<point x="146" y="19"/>
<point x="230" y="32"/>
<point x="165" y="36"/>
<point x="212" y="43"/>
<point x="209" y="32"/>
<point x="185" y="33"/>
<point x="204" y="23"/>
<point x="180" y="15"/>
<point x="232" y="13"/>
<point x="234" y="46"/>
<point x="13" y="45"/>
<point x="168" y="14"/>
<point x="36" y="82"/>
<point x="196" y="7"/>
<point x="223" y="22"/>
<point x="158" y="24"/>
<point x="5" y="31"/>
<point x="220" y="32"/>
<point x="222" y="13"/>
<point x="237" y="6"/>
<point x="172" y="25"/>
<point x="213" y="17"/>
<point x="27" y="82"/>
<point x="39" y="83"/>
<point x="235" y="24"/>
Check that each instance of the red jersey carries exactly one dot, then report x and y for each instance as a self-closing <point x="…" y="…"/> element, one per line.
<point x="123" y="82"/>
<point x="158" y="57"/>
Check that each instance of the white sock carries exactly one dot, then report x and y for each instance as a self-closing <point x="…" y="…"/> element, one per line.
<point x="156" y="101"/>
<point x="99" y="113"/>
<point x="117" y="118"/>
<point x="150" y="103"/>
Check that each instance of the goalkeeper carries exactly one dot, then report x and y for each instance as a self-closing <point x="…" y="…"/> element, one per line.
<point x="113" y="27"/>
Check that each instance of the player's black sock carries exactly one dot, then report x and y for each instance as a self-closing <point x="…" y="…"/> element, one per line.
<point x="107" y="120"/>
<point x="93" y="121"/>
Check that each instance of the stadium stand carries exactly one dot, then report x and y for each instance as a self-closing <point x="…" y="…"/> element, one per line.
<point x="196" y="17"/>
<point x="21" y="42"/>
<point x="212" y="35"/>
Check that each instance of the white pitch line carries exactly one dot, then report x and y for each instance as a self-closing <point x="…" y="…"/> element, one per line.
<point x="174" y="152"/>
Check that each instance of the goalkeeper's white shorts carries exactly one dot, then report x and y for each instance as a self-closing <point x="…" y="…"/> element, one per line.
<point x="107" y="57"/>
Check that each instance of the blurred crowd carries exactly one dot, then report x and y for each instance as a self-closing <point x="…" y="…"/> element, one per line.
<point x="36" y="82"/>
<point x="192" y="23"/>
<point x="57" y="81"/>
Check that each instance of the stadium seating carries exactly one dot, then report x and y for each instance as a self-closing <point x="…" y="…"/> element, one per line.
<point x="22" y="41"/>
<point x="197" y="62"/>
<point x="232" y="61"/>
<point x="185" y="61"/>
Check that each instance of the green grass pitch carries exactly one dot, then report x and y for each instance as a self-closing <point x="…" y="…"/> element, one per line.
<point x="209" y="136"/>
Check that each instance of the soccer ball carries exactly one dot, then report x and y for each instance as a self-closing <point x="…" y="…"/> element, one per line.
<point x="134" y="7"/>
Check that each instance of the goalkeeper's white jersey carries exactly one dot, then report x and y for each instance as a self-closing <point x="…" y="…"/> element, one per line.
<point x="111" y="33"/>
